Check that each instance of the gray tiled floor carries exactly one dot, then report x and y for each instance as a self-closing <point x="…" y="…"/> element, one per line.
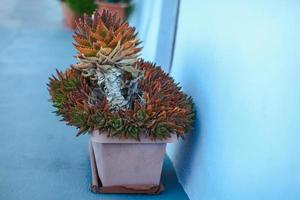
<point x="40" y="158"/>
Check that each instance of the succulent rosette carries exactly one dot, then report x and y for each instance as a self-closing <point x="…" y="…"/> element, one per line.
<point x="111" y="90"/>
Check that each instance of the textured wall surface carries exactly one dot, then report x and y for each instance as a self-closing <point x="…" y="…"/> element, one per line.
<point x="240" y="60"/>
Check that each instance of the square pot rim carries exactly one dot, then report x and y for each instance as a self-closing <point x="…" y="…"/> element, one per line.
<point x="98" y="137"/>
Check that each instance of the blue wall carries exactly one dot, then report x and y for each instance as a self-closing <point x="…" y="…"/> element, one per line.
<point x="145" y="18"/>
<point x="155" y="20"/>
<point x="240" y="60"/>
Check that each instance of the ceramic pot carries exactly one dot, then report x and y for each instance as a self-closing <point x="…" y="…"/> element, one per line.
<point x="118" y="8"/>
<point x="69" y="16"/>
<point x="116" y="162"/>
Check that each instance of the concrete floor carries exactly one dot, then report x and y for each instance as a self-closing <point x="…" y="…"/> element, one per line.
<point x="40" y="158"/>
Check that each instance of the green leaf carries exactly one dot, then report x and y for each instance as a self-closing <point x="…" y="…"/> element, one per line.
<point x="82" y="6"/>
<point x="133" y="131"/>
<point x="78" y="117"/>
<point x="160" y="130"/>
<point x="117" y="124"/>
<point x="98" y="120"/>
<point x="71" y="84"/>
<point x="141" y="115"/>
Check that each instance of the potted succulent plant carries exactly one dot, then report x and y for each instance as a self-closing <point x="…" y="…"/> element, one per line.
<point x="73" y="9"/>
<point x="129" y="107"/>
<point x="123" y="8"/>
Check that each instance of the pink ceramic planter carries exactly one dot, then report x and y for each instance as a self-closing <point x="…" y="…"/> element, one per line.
<point x="118" y="8"/>
<point x="69" y="16"/>
<point x="128" y="162"/>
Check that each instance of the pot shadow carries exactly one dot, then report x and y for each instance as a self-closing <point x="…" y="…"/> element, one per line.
<point x="194" y="82"/>
<point x="172" y="187"/>
<point x="185" y="152"/>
